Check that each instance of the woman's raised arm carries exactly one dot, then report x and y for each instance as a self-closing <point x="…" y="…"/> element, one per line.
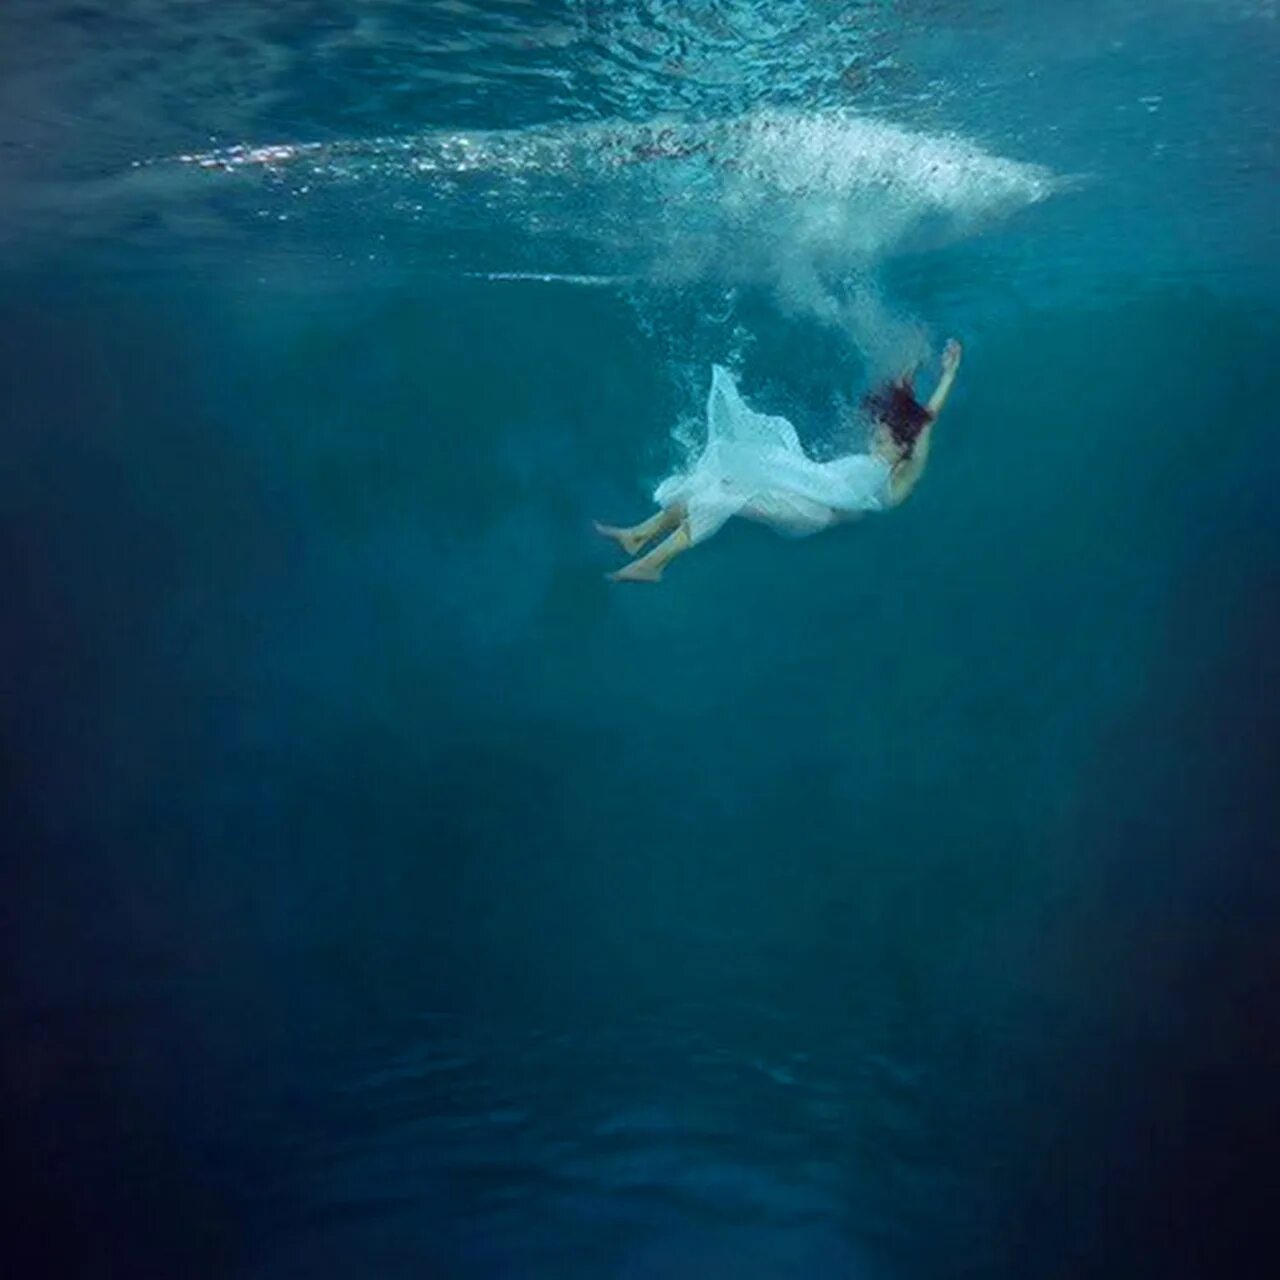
<point x="950" y="363"/>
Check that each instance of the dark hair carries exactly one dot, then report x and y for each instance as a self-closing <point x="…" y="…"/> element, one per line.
<point x="896" y="407"/>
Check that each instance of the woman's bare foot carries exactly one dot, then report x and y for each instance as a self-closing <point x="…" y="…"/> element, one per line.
<point x="630" y="541"/>
<point x="637" y="571"/>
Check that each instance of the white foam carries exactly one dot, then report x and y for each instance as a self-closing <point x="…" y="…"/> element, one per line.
<point x="794" y="154"/>
<point x="789" y="199"/>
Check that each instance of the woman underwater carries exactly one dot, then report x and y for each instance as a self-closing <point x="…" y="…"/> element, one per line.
<point x="753" y="465"/>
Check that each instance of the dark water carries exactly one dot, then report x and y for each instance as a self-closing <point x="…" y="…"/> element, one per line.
<point x="387" y="894"/>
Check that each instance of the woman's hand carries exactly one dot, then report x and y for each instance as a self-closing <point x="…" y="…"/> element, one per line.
<point x="951" y="356"/>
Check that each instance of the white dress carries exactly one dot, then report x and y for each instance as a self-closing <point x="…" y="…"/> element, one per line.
<point x="754" y="465"/>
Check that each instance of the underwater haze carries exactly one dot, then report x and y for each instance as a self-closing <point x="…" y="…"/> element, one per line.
<point x="386" y="893"/>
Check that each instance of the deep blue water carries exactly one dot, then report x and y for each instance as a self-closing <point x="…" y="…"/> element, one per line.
<point x="387" y="894"/>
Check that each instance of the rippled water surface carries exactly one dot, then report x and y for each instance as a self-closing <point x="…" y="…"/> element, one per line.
<point x="388" y="894"/>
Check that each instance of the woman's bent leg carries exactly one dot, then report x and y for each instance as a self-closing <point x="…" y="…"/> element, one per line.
<point x="649" y="567"/>
<point x="633" y="539"/>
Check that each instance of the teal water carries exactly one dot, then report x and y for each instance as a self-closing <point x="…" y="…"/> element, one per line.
<point x="387" y="893"/>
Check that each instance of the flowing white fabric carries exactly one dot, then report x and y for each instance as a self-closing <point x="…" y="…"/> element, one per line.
<point x="753" y="465"/>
